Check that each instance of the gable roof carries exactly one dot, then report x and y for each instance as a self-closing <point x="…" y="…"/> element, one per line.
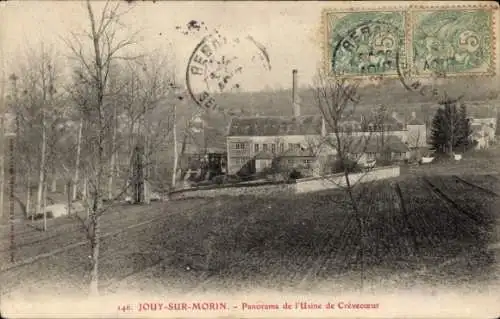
<point x="208" y="137"/>
<point x="275" y="126"/>
<point x="353" y="125"/>
<point x="415" y="121"/>
<point x="372" y="144"/>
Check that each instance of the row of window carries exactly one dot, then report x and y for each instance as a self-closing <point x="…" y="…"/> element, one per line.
<point x="243" y="161"/>
<point x="267" y="147"/>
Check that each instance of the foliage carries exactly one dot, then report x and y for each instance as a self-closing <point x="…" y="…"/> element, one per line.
<point x="349" y="165"/>
<point x="450" y="128"/>
<point x="295" y="174"/>
<point x="384" y="161"/>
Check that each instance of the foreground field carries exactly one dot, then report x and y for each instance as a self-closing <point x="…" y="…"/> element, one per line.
<point x="421" y="230"/>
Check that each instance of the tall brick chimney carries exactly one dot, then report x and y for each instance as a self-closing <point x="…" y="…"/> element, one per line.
<point x="295" y="94"/>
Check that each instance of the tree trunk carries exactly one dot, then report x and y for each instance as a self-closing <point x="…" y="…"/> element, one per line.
<point x="174" y="170"/>
<point x="2" y="159"/>
<point x="53" y="186"/>
<point x="85" y="197"/>
<point x="84" y="189"/>
<point x="112" y="161"/>
<point x="68" y="193"/>
<point x="44" y="191"/>
<point x="28" y="196"/>
<point x="95" y="245"/>
<point x="147" y="197"/>
<point x="41" y="176"/>
<point x="77" y="164"/>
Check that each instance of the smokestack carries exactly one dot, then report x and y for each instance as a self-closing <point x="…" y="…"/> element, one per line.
<point x="295" y="94"/>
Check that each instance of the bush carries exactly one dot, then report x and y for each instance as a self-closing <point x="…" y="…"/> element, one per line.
<point x="220" y="179"/>
<point x="295" y="174"/>
<point x="352" y="166"/>
<point x="383" y="162"/>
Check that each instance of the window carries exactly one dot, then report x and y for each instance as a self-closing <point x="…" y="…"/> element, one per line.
<point x="239" y="146"/>
<point x="291" y="161"/>
<point x="370" y="156"/>
<point x="256" y="148"/>
<point x="273" y="148"/>
<point x="307" y="161"/>
<point x="282" y="147"/>
<point x="290" y="146"/>
<point x="264" y="147"/>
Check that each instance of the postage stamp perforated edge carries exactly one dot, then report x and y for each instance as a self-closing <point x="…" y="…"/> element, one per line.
<point x="325" y="33"/>
<point x="408" y="12"/>
<point x="491" y="7"/>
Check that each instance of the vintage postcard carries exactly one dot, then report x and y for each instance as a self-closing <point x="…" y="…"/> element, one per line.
<point x="249" y="159"/>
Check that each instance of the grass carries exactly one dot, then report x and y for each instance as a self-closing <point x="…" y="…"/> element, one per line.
<point x="297" y="242"/>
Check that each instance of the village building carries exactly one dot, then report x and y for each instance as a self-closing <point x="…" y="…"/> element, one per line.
<point x="256" y="143"/>
<point x="259" y="143"/>
<point x="483" y="132"/>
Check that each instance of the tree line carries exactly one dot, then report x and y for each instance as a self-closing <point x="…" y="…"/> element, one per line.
<point x="79" y="122"/>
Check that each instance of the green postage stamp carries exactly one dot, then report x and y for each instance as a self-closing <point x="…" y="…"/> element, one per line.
<point x="452" y="41"/>
<point x="448" y="40"/>
<point x="364" y="43"/>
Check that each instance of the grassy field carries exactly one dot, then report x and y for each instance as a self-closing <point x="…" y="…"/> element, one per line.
<point x="427" y="230"/>
<point x="473" y="162"/>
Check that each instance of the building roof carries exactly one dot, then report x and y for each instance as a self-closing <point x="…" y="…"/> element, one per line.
<point x="275" y="126"/>
<point x="363" y="144"/>
<point x="353" y="124"/>
<point x="209" y="138"/>
<point x="415" y="121"/>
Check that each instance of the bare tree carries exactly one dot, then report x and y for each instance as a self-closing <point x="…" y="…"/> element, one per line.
<point x="337" y="101"/>
<point x="149" y="105"/>
<point x="94" y="69"/>
<point x="118" y="97"/>
<point x="39" y="112"/>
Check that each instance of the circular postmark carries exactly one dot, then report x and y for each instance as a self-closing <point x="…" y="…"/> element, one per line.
<point x="369" y="49"/>
<point x="427" y="86"/>
<point x="220" y="65"/>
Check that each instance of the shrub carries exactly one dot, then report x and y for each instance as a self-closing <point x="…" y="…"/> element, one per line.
<point x="220" y="179"/>
<point x="384" y="162"/>
<point x="339" y="166"/>
<point x="295" y="174"/>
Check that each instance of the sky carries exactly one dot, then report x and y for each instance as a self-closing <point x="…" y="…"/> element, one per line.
<point x="290" y="32"/>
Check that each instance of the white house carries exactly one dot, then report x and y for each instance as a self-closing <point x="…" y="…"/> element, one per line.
<point x="483" y="131"/>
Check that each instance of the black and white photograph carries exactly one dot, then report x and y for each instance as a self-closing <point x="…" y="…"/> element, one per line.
<point x="246" y="159"/>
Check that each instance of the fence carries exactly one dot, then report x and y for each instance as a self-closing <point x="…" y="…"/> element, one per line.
<point x="269" y="189"/>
